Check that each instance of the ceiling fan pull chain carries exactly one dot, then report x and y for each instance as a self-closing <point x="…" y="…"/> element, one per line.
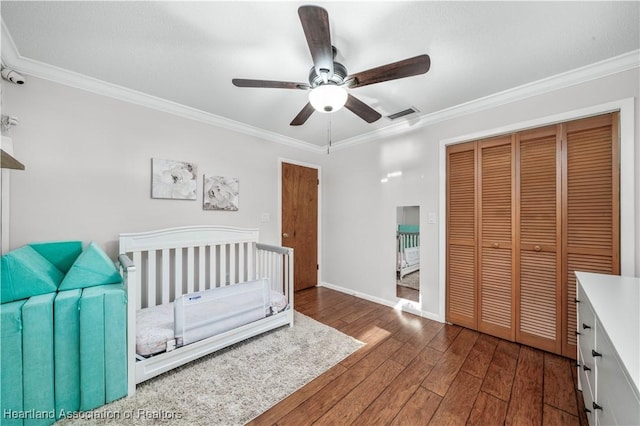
<point x="329" y="136"/>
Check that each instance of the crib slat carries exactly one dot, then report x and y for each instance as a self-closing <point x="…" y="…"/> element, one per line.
<point x="166" y="282"/>
<point x="213" y="268"/>
<point x="201" y="265"/>
<point x="137" y="260"/>
<point x="178" y="273"/>
<point x="190" y="270"/>
<point x="251" y="252"/>
<point x="151" y="278"/>
<point x="223" y="265"/>
<point x="241" y="260"/>
<point x="232" y="263"/>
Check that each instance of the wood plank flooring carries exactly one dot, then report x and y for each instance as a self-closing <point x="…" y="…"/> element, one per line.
<point x="414" y="371"/>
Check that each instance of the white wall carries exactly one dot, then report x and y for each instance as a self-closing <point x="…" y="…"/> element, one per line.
<point x="88" y="172"/>
<point x="88" y="167"/>
<point x="357" y="207"/>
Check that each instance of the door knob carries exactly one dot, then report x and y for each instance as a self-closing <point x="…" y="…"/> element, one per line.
<point x="285" y="235"/>
<point x="496" y="245"/>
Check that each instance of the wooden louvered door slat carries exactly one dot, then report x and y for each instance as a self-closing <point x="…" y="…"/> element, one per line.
<point x="539" y="278"/>
<point x="592" y="221"/>
<point x="461" y="235"/>
<point x="495" y="233"/>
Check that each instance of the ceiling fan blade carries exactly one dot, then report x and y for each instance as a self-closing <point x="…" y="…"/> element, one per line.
<point x="315" y="23"/>
<point x="243" y="82"/>
<point x="361" y="109"/>
<point x="303" y="115"/>
<point x="405" y="68"/>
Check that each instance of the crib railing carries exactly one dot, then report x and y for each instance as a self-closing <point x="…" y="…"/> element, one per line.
<point x="276" y="263"/>
<point x="408" y="239"/>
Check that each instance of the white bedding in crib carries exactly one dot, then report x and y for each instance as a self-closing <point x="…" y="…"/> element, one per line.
<point x="155" y="325"/>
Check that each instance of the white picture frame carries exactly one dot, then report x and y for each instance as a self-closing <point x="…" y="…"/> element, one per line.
<point x="220" y="193"/>
<point x="175" y="180"/>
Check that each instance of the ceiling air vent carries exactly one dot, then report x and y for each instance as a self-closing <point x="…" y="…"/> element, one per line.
<point x="402" y="113"/>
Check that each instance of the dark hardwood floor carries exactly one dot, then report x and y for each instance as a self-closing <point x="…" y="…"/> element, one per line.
<point x="414" y="371"/>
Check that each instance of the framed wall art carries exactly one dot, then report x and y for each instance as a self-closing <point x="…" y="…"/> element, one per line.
<point x="172" y="179"/>
<point x="220" y="193"/>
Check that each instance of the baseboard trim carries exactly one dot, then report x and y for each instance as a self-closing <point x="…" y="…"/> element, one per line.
<point x="400" y="304"/>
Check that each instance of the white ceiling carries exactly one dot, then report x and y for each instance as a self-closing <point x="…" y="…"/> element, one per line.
<point x="188" y="52"/>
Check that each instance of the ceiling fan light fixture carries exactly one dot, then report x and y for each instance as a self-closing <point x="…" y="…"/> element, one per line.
<point x="328" y="98"/>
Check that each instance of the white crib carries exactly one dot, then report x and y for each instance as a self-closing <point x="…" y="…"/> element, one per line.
<point x="408" y="252"/>
<point x="159" y="266"/>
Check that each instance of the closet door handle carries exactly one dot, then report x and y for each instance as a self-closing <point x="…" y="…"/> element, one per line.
<point x="495" y="245"/>
<point x="537" y="248"/>
<point x="285" y="235"/>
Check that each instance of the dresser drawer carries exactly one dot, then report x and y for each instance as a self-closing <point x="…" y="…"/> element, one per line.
<point x="615" y="393"/>
<point x="587" y="396"/>
<point x="586" y="327"/>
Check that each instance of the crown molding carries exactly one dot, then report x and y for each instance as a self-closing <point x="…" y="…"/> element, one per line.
<point x="617" y="64"/>
<point x="12" y="58"/>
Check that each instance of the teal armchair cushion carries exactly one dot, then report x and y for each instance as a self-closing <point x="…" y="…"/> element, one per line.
<point x="26" y="273"/>
<point x="11" y="359"/>
<point x="61" y="253"/>
<point x="37" y="353"/>
<point x="66" y="344"/>
<point x="93" y="267"/>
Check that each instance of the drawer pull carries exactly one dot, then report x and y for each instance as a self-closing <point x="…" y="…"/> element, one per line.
<point x="595" y="354"/>
<point x="585" y="368"/>
<point x="585" y="326"/>
<point x="596" y="406"/>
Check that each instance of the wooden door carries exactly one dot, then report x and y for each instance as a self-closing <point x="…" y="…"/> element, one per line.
<point x="495" y="236"/>
<point x="300" y="221"/>
<point x="538" y="280"/>
<point x="592" y="220"/>
<point x="461" y="235"/>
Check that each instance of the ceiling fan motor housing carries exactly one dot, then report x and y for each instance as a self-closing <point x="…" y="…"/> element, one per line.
<point x="339" y="74"/>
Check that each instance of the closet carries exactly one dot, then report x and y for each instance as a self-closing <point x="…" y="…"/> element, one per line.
<point x="524" y="211"/>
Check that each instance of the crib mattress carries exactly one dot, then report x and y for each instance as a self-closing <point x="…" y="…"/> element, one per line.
<point x="155" y="325"/>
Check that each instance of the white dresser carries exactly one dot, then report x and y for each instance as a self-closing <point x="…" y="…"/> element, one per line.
<point x="609" y="347"/>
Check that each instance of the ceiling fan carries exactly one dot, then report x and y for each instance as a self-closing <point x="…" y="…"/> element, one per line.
<point x="328" y="80"/>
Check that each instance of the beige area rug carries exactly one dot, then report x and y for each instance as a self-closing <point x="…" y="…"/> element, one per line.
<point x="411" y="280"/>
<point x="233" y="385"/>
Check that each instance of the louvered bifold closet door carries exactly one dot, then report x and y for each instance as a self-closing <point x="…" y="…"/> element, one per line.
<point x="461" y="235"/>
<point x="539" y="278"/>
<point x="592" y="229"/>
<point x="495" y="233"/>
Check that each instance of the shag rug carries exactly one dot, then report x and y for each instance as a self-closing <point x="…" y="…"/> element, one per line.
<point x="411" y="280"/>
<point x="233" y="385"/>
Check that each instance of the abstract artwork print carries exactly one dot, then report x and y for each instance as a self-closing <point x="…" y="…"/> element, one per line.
<point x="173" y="179"/>
<point x="220" y="193"/>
